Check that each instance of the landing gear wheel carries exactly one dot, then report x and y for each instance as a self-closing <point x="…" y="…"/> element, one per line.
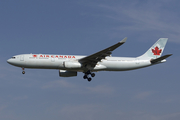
<point x="23" y="72"/>
<point x="89" y="79"/>
<point x="92" y="74"/>
<point x="85" y="76"/>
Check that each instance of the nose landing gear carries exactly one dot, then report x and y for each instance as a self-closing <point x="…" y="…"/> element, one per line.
<point x="86" y="74"/>
<point x="23" y="72"/>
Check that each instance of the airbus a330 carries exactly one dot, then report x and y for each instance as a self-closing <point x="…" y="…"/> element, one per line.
<point x="69" y="65"/>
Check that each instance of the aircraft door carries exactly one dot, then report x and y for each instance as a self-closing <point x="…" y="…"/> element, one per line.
<point x="22" y="58"/>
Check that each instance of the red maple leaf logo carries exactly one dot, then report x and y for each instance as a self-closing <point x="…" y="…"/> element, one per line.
<point x="156" y="51"/>
<point x="34" y="55"/>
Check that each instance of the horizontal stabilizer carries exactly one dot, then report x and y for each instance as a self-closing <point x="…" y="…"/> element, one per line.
<point x="160" y="58"/>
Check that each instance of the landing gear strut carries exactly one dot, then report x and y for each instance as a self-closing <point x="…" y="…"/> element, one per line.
<point x="23" y="72"/>
<point x="86" y="74"/>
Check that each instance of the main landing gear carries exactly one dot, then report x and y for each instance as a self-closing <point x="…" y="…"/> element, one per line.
<point x="23" y="72"/>
<point x="86" y="74"/>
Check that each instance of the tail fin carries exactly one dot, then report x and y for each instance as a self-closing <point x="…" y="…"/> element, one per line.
<point x="156" y="50"/>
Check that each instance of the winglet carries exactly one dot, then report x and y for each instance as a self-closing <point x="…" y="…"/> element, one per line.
<point x="124" y="40"/>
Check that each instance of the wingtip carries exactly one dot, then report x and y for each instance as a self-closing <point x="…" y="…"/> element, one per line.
<point x="124" y="40"/>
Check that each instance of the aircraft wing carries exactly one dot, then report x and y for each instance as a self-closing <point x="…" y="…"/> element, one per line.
<point x="96" y="57"/>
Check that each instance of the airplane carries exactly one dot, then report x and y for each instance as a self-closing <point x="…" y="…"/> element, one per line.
<point x="69" y="65"/>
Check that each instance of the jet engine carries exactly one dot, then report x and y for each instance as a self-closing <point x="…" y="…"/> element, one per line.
<point x="65" y="73"/>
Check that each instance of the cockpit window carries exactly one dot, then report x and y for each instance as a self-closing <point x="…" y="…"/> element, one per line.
<point x="13" y="57"/>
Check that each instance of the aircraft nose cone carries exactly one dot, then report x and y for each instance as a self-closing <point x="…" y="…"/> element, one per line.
<point x="9" y="61"/>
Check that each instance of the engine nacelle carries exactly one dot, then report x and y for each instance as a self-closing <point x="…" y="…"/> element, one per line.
<point x="65" y="73"/>
<point x="71" y="64"/>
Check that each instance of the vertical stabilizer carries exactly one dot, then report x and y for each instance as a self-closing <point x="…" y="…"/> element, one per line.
<point x="156" y="50"/>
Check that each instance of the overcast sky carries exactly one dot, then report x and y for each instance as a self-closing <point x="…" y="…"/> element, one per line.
<point x="83" y="27"/>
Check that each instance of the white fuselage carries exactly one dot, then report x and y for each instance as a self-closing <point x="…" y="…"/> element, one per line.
<point x="70" y="62"/>
<point x="69" y="65"/>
